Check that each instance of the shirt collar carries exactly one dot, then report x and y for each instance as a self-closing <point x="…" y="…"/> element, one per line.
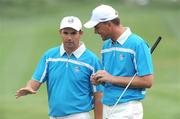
<point x="122" y="38"/>
<point x="77" y="53"/>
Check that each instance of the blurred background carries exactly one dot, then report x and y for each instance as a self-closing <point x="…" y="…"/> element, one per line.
<point x="29" y="27"/>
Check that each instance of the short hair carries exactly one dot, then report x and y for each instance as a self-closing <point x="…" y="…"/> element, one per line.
<point x="116" y="21"/>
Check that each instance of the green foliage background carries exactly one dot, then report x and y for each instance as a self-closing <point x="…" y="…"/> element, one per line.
<point x="30" y="27"/>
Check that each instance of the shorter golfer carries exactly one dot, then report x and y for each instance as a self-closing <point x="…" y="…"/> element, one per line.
<point x="67" y="69"/>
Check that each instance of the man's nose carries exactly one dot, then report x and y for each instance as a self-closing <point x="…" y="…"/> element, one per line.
<point x="69" y="37"/>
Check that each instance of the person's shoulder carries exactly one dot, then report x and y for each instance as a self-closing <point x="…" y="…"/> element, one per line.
<point x="134" y="38"/>
<point x="90" y="53"/>
<point x="106" y="43"/>
<point x="90" y="57"/>
<point x="52" y="51"/>
<point x="136" y="41"/>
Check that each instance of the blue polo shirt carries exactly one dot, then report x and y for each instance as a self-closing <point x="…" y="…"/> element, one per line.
<point x="68" y="80"/>
<point x="128" y="55"/>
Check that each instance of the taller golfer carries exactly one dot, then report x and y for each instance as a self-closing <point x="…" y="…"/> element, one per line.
<point x="124" y="54"/>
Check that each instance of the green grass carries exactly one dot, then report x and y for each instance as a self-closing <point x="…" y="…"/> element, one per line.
<point x="29" y="29"/>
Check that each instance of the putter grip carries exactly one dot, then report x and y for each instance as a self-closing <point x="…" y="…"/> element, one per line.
<point x="155" y="44"/>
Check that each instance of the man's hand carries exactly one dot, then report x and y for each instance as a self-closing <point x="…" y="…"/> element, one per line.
<point x="101" y="76"/>
<point x="94" y="80"/>
<point x="31" y="88"/>
<point x="25" y="91"/>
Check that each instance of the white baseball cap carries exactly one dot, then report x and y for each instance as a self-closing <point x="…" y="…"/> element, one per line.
<point x="71" y="22"/>
<point x="101" y="13"/>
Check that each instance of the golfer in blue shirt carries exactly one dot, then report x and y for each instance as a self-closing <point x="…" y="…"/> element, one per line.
<point x="126" y="57"/>
<point x="67" y="69"/>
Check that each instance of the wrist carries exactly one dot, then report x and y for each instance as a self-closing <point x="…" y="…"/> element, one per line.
<point x="112" y="80"/>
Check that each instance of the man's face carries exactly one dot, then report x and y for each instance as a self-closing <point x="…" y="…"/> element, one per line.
<point x="71" y="38"/>
<point x="103" y="29"/>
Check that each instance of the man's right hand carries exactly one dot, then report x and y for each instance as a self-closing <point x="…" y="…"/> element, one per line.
<point x="94" y="80"/>
<point x="24" y="91"/>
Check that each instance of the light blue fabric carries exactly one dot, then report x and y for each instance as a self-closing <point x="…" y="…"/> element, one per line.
<point x="68" y="81"/>
<point x="125" y="60"/>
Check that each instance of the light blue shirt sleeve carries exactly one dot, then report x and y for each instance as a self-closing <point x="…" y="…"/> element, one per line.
<point x="143" y="60"/>
<point x="98" y="66"/>
<point x="40" y="73"/>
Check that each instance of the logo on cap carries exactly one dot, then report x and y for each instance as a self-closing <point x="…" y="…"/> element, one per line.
<point x="70" y="20"/>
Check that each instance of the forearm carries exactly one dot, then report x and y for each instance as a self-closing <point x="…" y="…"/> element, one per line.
<point x="31" y="88"/>
<point x="138" y="82"/>
<point x="97" y="105"/>
<point x="33" y="85"/>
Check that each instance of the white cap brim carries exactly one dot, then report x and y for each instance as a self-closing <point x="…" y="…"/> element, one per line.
<point x="73" y="27"/>
<point x="90" y="24"/>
